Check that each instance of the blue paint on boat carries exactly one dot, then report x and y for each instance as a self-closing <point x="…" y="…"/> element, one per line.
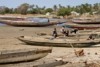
<point x="2" y="24"/>
<point x="38" y="20"/>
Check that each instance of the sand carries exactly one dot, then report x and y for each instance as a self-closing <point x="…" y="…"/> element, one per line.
<point x="9" y="41"/>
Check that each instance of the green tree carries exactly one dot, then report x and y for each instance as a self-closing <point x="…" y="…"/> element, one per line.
<point x="38" y="9"/>
<point x="96" y="6"/>
<point x="6" y="10"/>
<point x="11" y="10"/>
<point x="23" y="8"/>
<point x="15" y="10"/>
<point x="84" y="8"/>
<point x="63" y="12"/>
<point x="49" y="10"/>
<point x="2" y="9"/>
<point x="34" y="11"/>
<point x="42" y="10"/>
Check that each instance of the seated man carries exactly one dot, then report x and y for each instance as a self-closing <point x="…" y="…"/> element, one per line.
<point x="91" y="37"/>
<point x="63" y="31"/>
<point x="55" y="33"/>
<point x="74" y="31"/>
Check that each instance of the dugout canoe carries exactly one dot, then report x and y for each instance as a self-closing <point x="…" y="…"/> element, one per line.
<point x="19" y="55"/>
<point x="86" y="21"/>
<point x="28" y="23"/>
<point x="81" y="26"/>
<point x="60" y="42"/>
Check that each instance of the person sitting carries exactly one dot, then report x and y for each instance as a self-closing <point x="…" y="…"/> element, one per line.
<point x="74" y="31"/>
<point x="67" y="33"/>
<point x="63" y="31"/>
<point x="55" y="33"/>
<point x="91" y="37"/>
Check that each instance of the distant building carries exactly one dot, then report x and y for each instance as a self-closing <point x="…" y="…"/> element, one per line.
<point x="96" y="13"/>
<point x="86" y="14"/>
<point x="75" y="13"/>
<point x="47" y="14"/>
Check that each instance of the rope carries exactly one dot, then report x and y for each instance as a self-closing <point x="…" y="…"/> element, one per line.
<point x="70" y="45"/>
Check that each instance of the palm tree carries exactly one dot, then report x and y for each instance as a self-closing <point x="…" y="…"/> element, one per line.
<point x="55" y="8"/>
<point x="60" y="6"/>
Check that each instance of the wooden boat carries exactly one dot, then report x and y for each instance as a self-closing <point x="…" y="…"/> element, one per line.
<point x="9" y="56"/>
<point x="28" y="23"/>
<point x="11" y="18"/>
<point x="81" y="26"/>
<point x="86" y="21"/>
<point x="63" y="42"/>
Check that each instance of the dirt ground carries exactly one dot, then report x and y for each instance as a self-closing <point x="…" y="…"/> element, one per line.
<point x="9" y="41"/>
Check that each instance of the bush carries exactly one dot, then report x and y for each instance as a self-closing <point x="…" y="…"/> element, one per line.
<point x="63" y="12"/>
<point x="49" y="10"/>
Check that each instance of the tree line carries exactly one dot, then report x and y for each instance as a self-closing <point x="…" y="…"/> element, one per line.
<point x="59" y="10"/>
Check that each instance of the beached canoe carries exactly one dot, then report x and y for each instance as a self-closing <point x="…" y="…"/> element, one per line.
<point x="11" y="18"/>
<point x="28" y="23"/>
<point x="81" y="26"/>
<point x="86" y="21"/>
<point x="63" y="42"/>
<point x="9" y="56"/>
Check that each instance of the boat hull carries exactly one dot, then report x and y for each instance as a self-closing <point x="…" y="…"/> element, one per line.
<point x="26" y="23"/>
<point x="80" y="22"/>
<point x="81" y="26"/>
<point x="22" y="55"/>
<point x="62" y="44"/>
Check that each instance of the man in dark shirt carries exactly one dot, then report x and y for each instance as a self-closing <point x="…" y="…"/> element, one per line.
<point x="55" y="33"/>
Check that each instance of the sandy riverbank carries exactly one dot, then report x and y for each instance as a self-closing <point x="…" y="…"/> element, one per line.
<point x="8" y="41"/>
